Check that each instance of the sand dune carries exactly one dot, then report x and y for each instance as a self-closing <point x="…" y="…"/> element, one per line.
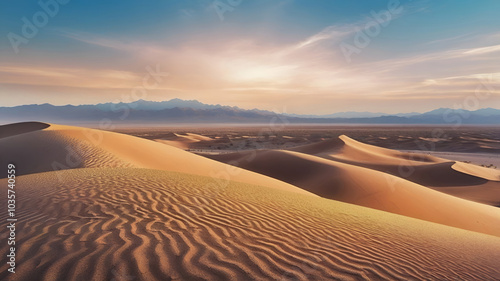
<point x="347" y="150"/>
<point x="196" y="137"/>
<point x="369" y="188"/>
<point x="65" y="147"/>
<point x="478" y="171"/>
<point x="459" y="179"/>
<point x="21" y="128"/>
<point x="184" y="141"/>
<point x="138" y="224"/>
<point x="117" y="207"/>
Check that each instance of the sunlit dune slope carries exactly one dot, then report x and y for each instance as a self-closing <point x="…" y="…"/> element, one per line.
<point x="65" y="147"/>
<point x="139" y="224"/>
<point x="370" y="188"/>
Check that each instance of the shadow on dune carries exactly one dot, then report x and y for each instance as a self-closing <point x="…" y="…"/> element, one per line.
<point x="435" y="174"/>
<point x="419" y="168"/>
<point x="21" y="128"/>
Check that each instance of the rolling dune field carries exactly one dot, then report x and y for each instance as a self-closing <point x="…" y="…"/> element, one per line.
<point x="118" y="207"/>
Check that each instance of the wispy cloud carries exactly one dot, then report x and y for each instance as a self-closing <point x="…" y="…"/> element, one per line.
<point x="331" y="32"/>
<point x="309" y="72"/>
<point x="67" y="77"/>
<point x="483" y="50"/>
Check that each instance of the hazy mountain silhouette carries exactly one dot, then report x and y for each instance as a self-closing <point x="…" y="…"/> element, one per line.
<point x="193" y="111"/>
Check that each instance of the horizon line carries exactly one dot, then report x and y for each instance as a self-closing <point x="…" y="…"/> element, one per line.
<point x="253" y="109"/>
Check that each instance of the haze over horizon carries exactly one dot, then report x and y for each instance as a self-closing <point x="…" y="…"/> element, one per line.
<point x="184" y="103"/>
<point x="281" y="55"/>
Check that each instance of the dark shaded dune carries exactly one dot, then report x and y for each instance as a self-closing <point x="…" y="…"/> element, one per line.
<point x="462" y="180"/>
<point x="21" y="128"/>
<point x="441" y="175"/>
<point x="66" y="147"/>
<point x="319" y="178"/>
<point x="43" y="151"/>
<point x="419" y="168"/>
<point x="432" y="175"/>
<point x="139" y="224"/>
<point x="444" y="178"/>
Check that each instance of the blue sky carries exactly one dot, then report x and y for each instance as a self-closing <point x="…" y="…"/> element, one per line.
<point x="298" y="56"/>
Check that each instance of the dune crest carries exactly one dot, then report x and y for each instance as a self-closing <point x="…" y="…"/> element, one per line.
<point x="455" y="178"/>
<point x="66" y="147"/>
<point x="183" y="141"/>
<point x="478" y="171"/>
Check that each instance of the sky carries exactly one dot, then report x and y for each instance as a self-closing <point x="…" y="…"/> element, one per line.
<point x="293" y="56"/>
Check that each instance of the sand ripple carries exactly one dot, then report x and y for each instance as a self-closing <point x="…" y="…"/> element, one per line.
<point x="139" y="224"/>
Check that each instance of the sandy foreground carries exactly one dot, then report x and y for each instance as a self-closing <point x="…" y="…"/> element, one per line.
<point x="95" y="205"/>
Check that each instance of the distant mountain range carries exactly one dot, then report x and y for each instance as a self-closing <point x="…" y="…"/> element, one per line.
<point x="354" y="114"/>
<point x="159" y="105"/>
<point x="193" y="111"/>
